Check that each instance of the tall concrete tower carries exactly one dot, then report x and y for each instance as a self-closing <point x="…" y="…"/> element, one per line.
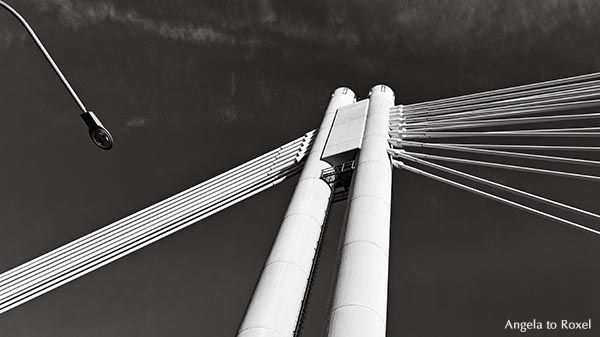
<point x="277" y="300"/>
<point x="360" y="295"/>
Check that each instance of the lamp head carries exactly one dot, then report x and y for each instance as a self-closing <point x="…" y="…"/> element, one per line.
<point x="98" y="133"/>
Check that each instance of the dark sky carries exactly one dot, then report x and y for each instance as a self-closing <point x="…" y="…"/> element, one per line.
<point x="190" y="89"/>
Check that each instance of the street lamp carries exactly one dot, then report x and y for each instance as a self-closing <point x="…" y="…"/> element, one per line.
<point x="98" y="133"/>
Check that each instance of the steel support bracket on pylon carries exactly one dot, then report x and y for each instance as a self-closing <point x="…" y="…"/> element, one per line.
<point x="339" y="178"/>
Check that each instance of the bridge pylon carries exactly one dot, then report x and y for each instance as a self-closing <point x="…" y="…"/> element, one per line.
<point x="277" y="301"/>
<point x="359" y="302"/>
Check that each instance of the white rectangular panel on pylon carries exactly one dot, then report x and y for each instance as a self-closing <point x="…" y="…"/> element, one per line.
<point x="346" y="134"/>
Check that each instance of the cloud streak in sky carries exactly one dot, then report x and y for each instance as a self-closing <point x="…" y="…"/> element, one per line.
<point x="241" y="27"/>
<point x="6" y="38"/>
<point x="76" y="14"/>
<point x="413" y="26"/>
<point x="137" y="122"/>
<point x="468" y="25"/>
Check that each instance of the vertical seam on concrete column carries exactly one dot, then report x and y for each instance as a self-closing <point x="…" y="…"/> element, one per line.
<point x="360" y="306"/>
<point x="387" y="205"/>
<point x="376" y="135"/>
<point x="369" y="242"/>
<point x="376" y="162"/>
<point x="288" y="262"/>
<point x="317" y="222"/>
<point x="329" y="132"/>
<point x="261" y="328"/>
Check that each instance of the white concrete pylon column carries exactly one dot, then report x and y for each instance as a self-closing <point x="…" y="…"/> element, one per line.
<point x="276" y="303"/>
<point x="359" y="304"/>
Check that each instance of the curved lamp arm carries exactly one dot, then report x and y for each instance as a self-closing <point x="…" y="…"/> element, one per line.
<point x="99" y="134"/>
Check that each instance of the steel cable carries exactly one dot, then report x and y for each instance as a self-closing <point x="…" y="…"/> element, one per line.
<point x="134" y="232"/>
